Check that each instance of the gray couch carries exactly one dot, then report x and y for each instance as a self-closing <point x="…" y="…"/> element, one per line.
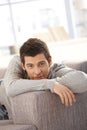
<point x="43" y="110"/>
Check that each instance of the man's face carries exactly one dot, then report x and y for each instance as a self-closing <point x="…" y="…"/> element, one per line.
<point x="37" y="67"/>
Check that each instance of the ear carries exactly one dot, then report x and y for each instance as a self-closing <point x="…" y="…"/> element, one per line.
<point x="50" y="60"/>
<point x="22" y="65"/>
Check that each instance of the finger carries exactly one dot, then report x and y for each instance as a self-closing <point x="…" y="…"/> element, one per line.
<point x="61" y="97"/>
<point x="66" y="98"/>
<point x="58" y="91"/>
<point x="72" y="95"/>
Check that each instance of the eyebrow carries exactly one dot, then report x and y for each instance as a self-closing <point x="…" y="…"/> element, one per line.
<point x="29" y="64"/>
<point x="38" y="62"/>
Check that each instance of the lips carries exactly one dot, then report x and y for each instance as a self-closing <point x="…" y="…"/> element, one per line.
<point x="38" y="77"/>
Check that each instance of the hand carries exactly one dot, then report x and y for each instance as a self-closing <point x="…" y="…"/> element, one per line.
<point x="66" y="95"/>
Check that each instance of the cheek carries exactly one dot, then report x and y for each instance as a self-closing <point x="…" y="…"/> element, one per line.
<point x="46" y="70"/>
<point x="29" y="72"/>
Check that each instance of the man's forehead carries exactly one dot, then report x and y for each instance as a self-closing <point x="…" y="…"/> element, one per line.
<point x="38" y="56"/>
<point x="36" y="59"/>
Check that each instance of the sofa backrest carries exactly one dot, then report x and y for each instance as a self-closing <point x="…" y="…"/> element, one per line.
<point x="80" y="65"/>
<point x="45" y="111"/>
<point x="2" y="72"/>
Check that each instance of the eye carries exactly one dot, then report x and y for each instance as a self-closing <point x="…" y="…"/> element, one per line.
<point x="42" y="63"/>
<point x="30" y="66"/>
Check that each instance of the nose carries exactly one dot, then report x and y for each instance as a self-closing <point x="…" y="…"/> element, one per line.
<point x="37" y="70"/>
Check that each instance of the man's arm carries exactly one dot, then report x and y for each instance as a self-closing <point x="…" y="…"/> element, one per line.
<point x="73" y="79"/>
<point x="15" y="85"/>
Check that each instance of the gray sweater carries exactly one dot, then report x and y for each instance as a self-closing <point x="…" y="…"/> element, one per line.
<point x="16" y="82"/>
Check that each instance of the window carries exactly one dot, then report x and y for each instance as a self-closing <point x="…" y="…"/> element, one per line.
<point x="21" y="18"/>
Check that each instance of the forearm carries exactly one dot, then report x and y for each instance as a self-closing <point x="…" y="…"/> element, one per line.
<point x="75" y="80"/>
<point x="23" y="85"/>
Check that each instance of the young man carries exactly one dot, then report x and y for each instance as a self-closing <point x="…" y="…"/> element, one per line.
<point x="34" y="70"/>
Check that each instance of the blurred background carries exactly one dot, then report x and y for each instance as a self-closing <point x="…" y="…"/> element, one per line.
<point x="50" y="20"/>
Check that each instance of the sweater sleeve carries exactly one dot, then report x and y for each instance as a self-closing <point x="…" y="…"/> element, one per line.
<point x="73" y="79"/>
<point x="15" y="85"/>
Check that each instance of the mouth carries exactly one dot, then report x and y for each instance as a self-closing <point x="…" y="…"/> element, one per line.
<point x="37" y="78"/>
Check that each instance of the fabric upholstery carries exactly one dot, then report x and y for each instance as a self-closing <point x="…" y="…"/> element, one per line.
<point x="2" y="72"/>
<point x="4" y="100"/>
<point x="17" y="127"/>
<point x="6" y="122"/>
<point x="79" y="65"/>
<point x="45" y="111"/>
<point x="42" y="110"/>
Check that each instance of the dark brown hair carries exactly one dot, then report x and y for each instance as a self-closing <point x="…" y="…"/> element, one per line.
<point x="32" y="47"/>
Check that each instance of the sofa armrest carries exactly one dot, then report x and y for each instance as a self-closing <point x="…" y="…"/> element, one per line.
<point x="45" y="111"/>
